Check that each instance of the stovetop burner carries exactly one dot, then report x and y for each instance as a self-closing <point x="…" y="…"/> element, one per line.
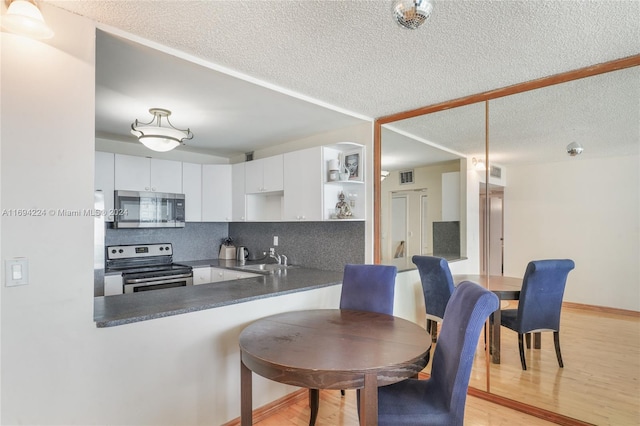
<point x="144" y="259"/>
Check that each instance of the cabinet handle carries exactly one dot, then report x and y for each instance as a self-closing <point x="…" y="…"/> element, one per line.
<point x="146" y="188"/>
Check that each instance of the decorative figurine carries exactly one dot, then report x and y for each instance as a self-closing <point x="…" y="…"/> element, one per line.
<point x="343" y="211"/>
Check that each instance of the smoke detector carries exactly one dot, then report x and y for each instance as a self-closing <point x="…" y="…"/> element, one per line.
<point x="412" y="13"/>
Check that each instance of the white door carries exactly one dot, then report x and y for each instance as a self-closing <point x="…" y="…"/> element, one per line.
<point x="398" y="225"/>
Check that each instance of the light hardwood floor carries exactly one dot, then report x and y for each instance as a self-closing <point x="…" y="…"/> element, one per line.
<point x="337" y="410"/>
<point x="600" y="383"/>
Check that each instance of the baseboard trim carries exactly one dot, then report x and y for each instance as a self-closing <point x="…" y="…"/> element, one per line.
<point x="527" y="409"/>
<point x="602" y="309"/>
<point x="267" y="410"/>
<point x="279" y="404"/>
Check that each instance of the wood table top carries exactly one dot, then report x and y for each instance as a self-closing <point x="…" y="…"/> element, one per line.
<point x="334" y="348"/>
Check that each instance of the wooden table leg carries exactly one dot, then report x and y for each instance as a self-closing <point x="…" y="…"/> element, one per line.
<point x="369" y="401"/>
<point x="246" y="403"/>
<point x="314" y="404"/>
<point x="495" y="337"/>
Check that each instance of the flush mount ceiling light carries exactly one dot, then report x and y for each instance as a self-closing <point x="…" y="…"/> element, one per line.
<point x="24" y="18"/>
<point x="574" y="148"/>
<point x="412" y="13"/>
<point x="158" y="138"/>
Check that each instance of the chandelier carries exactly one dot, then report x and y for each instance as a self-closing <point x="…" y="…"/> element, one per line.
<point x="156" y="137"/>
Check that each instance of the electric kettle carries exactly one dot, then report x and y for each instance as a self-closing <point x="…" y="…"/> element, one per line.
<point x="242" y="254"/>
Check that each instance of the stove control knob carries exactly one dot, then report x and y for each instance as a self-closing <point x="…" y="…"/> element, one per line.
<point x="166" y="248"/>
<point x="120" y="251"/>
<point x="113" y="251"/>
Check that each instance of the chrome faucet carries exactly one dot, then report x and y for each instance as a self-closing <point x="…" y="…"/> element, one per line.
<point x="273" y="255"/>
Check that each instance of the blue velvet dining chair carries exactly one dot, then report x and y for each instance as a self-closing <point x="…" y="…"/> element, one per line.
<point x="364" y="288"/>
<point x="440" y="400"/>
<point x="437" y="287"/>
<point x="540" y="303"/>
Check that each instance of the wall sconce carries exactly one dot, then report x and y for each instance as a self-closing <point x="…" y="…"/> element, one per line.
<point x="24" y="18"/>
<point x="383" y="175"/>
<point x="156" y="137"/>
<point x="478" y="164"/>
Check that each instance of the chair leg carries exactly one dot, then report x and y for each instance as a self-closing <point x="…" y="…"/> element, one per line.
<point x="432" y="328"/>
<point x="556" y="342"/>
<point x="521" y="347"/>
<point x="314" y="403"/>
<point x="528" y="338"/>
<point x="342" y="392"/>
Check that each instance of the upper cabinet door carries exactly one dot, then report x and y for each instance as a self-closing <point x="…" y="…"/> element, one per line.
<point x="192" y="190"/>
<point x="147" y="174"/>
<point x="104" y="179"/>
<point x="238" y="199"/>
<point x="273" y="173"/>
<point x="303" y="185"/>
<point x="132" y="173"/>
<point x="216" y="192"/>
<point x="264" y="175"/>
<point x="166" y="176"/>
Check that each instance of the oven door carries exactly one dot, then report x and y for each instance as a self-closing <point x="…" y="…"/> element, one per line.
<point x="135" y="285"/>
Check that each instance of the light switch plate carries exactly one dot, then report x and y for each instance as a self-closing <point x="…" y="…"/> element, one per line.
<point x="16" y="271"/>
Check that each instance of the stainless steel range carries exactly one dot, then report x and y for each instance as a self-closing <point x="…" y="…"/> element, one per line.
<point x="147" y="267"/>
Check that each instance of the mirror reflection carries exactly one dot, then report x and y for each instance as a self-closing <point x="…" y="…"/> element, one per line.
<point x="541" y="203"/>
<point x="423" y="189"/>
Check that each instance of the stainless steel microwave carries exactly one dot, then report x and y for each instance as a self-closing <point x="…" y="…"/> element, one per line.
<point x="136" y="209"/>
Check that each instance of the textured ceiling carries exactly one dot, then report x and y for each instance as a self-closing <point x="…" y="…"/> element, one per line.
<point x="352" y="56"/>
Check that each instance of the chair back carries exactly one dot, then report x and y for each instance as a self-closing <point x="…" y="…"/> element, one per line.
<point x="467" y="310"/>
<point x="368" y="288"/>
<point x="541" y="295"/>
<point x="437" y="283"/>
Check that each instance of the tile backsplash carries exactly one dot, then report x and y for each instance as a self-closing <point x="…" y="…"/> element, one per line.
<point x="322" y="245"/>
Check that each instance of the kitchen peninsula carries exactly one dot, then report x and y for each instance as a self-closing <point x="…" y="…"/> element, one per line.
<point x="123" y="309"/>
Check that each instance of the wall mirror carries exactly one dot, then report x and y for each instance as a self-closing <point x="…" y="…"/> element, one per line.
<point x="422" y="205"/>
<point x="552" y="205"/>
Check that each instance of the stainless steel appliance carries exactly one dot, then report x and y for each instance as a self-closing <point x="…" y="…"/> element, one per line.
<point x="148" y="267"/>
<point x="136" y="209"/>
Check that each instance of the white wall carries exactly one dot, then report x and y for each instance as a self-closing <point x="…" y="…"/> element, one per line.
<point x="585" y="210"/>
<point x="57" y="367"/>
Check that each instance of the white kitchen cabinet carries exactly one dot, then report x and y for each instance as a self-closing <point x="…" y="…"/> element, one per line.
<point x="216" y="192"/>
<point x="104" y="179"/>
<point x="113" y="285"/>
<point x="202" y="275"/>
<point x="147" y="174"/>
<point x="217" y="275"/>
<point x="303" y="185"/>
<point x="238" y="198"/>
<point x="264" y="175"/>
<point x="192" y="190"/>
<point x="230" y="275"/>
<point x="166" y="176"/>
<point x="221" y="274"/>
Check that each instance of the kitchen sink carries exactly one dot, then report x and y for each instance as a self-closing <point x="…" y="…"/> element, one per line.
<point x="264" y="268"/>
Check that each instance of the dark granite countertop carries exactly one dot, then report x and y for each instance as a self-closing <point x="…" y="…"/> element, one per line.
<point x="123" y="309"/>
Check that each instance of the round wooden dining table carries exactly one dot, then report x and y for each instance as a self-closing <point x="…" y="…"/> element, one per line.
<point x="506" y="288"/>
<point x="332" y="349"/>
